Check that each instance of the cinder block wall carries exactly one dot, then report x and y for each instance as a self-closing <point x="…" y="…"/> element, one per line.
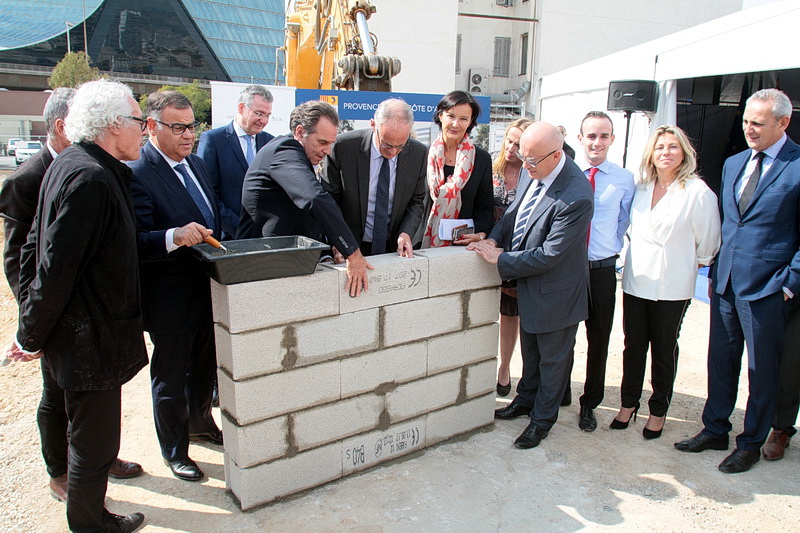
<point x="315" y="385"/>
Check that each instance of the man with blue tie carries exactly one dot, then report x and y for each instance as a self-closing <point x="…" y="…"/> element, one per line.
<point x="756" y="274"/>
<point x="229" y="150"/>
<point x="175" y="209"/>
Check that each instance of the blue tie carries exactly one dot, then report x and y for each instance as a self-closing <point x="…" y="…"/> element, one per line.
<point x="380" y="218"/>
<point x="196" y="195"/>
<point x="249" y="153"/>
<point x="522" y="219"/>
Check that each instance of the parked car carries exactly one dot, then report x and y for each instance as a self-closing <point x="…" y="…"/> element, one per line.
<point x="11" y="145"/>
<point x="25" y="149"/>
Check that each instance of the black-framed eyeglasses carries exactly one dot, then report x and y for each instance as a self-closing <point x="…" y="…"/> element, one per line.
<point x="531" y="163"/>
<point x="387" y="146"/>
<point x="178" y="128"/>
<point x="141" y="120"/>
<point x="259" y="114"/>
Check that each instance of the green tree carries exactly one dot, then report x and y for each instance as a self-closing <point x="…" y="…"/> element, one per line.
<point x="73" y="70"/>
<point x="200" y="98"/>
<point x="482" y="137"/>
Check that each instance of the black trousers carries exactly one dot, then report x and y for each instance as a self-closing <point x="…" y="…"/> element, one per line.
<point x="603" y="287"/>
<point x="182" y="372"/>
<point x="53" y="423"/>
<point x="655" y="325"/>
<point x="94" y="418"/>
<point x="789" y="381"/>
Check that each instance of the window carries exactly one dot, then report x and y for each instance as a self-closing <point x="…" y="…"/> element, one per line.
<point x="458" y="54"/>
<point x="502" y="56"/>
<point x="523" y="54"/>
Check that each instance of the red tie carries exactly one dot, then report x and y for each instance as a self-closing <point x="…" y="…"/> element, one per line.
<point x="592" y="173"/>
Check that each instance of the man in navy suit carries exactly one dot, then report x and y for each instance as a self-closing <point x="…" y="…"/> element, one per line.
<point x="175" y="209"/>
<point x="756" y="274"/>
<point x="229" y="150"/>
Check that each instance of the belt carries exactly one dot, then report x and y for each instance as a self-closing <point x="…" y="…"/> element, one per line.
<point x="604" y="263"/>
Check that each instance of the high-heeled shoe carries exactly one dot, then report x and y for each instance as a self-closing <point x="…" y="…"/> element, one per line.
<point x="650" y="434"/>
<point x="618" y="424"/>
<point x="503" y="390"/>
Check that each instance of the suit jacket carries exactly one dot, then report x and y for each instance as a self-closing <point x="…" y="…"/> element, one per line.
<point x="18" y="200"/>
<point x="79" y="278"/>
<point x="222" y="153"/>
<point x="176" y="293"/>
<point x="282" y="196"/>
<point x="551" y="267"/>
<point x="346" y="178"/>
<point x="760" y="250"/>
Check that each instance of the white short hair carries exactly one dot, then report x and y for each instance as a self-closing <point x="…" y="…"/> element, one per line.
<point x="781" y="105"/>
<point x="96" y="107"/>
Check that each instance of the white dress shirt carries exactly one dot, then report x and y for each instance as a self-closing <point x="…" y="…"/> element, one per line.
<point x="769" y="157"/>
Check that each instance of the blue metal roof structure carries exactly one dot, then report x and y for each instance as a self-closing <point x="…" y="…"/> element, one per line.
<point x="28" y="22"/>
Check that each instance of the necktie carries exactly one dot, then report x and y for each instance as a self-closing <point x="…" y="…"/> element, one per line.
<point x="196" y="195"/>
<point x="248" y="155"/>
<point x="752" y="182"/>
<point x="522" y="219"/>
<point x="592" y="174"/>
<point x="380" y="218"/>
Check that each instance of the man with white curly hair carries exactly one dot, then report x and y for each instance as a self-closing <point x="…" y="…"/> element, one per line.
<point x="79" y="299"/>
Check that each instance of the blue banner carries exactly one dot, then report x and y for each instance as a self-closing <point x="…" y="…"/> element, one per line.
<point x="361" y="105"/>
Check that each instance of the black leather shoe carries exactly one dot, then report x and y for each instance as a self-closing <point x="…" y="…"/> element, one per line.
<point x="701" y="442"/>
<point x="586" y="420"/>
<point x="511" y="411"/>
<point x="124" y="469"/>
<point x="503" y="390"/>
<point x="531" y="437"/>
<point x="214" y="436"/>
<point x="739" y="461"/>
<point x="185" y="469"/>
<point x="122" y="523"/>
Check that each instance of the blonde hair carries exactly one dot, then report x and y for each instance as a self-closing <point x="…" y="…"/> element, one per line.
<point x="686" y="170"/>
<point x="499" y="164"/>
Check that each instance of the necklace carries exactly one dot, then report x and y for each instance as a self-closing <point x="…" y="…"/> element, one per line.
<point x="665" y="187"/>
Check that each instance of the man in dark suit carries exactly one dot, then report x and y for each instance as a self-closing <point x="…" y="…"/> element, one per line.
<point x="353" y="176"/>
<point x="229" y="150"/>
<point x="18" y="200"/>
<point x="282" y="195"/>
<point x="175" y="209"/>
<point x="756" y="273"/>
<point x="542" y="245"/>
<point x="79" y="291"/>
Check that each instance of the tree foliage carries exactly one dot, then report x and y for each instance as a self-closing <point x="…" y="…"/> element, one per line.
<point x="73" y="70"/>
<point x="199" y="97"/>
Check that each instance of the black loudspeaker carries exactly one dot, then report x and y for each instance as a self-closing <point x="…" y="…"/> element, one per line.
<point x="632" y="95"/>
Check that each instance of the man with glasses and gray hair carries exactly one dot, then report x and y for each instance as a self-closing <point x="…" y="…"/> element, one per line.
<point x="79" y="291"/>
<point x="229" y="150"/>
<point x="377" y="176"/>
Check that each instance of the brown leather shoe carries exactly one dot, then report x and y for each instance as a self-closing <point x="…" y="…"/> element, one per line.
<point x="124" y="469"/>
<point x="58" y="488"/>
<point x="777" y="442"/>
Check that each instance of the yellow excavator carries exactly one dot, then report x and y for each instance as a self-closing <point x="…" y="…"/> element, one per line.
<point x="329" y="46"/>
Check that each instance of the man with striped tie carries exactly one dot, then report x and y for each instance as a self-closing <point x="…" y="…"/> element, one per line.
<point x="541" y="243"/>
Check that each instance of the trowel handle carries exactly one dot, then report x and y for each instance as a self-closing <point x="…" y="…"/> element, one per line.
<point x="213" y="242"/>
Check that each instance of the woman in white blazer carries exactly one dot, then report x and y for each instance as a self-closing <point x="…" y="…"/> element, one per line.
<point x="675" y="229"/>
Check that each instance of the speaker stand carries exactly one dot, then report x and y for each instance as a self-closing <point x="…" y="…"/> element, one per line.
<point x="627" y="131"/>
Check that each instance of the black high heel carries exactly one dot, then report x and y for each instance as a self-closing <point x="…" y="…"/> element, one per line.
<point x="503" y="390"/>
<point x="651" y="434"/>
<point x="617" y="424"/>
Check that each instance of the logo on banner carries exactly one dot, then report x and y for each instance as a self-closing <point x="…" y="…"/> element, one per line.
<point x="330" y="99"/>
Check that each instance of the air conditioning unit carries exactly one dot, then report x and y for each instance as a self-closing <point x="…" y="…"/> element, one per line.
<point x="505" y="3"/>
<point x="479" y="80"/>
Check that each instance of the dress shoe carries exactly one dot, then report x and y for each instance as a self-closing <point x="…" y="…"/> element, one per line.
<point x="651" y="434"/>
<point x="58" y="488"/>
<point x="512" y="410"/>
<point x="185" y="469"/>
<point x="567" y="398"/>
<point x="618" y="424"/>
<point x="122" y="523"/>
<point x="586" y="420"/>
<point x="739" y="461"/>
<point x="214" y="436"/>
<point x="531" y="437"/>
<point x="701" y="442"/>
<point x="777" y="442"/>
<point x="124" y="469"/>
<point x="503" y="390"/>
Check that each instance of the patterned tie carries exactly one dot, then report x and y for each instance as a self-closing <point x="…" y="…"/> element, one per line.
<point x="380" y="219"/>
<point x="592" y="174"/>
<point x="196" y="195"/>
<point x="752" y="183"/>
<point x="524" y="215"/>
<point x="249" y="153"/>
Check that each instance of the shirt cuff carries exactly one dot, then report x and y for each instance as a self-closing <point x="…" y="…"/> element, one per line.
<point x="787" y="292"/>
<point x="23" y="350"/>
<point x="168" y="241"/>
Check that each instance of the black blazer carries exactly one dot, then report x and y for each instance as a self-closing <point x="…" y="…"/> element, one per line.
<point x="176" y="291"/>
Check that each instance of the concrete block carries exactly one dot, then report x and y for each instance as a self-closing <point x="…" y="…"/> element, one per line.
<point x="261" y="304"/>
<point x="264" y="483"/>
<point x="481" y="378"/>
<point x="364" y="373"/>
<point x="256" y="352"/>
<point x="326" y="338"/>
<point x="454" y="269"/>
<point x="420" y="397"/>
<point x="394" y="279"/>
<point x="463" y="348"/>
<point x="285" y="392"/>
<point x="483" y="307"/>
<point x="376" y="447"/>
<point x="446" y="423"/>
<point x="421" y="319"/>
<point x="337" y="420"/>
<point x="256" y="443"/>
